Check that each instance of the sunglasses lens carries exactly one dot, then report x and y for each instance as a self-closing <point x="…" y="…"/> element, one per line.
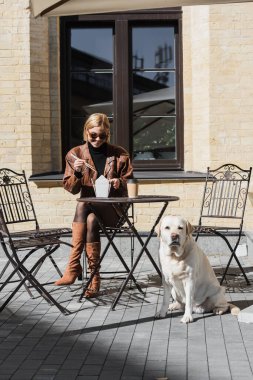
<point x="93" y="136"/>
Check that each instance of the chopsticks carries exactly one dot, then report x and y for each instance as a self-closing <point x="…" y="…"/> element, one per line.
<point x="85" y="163"/>
<point x="88" y="166"/>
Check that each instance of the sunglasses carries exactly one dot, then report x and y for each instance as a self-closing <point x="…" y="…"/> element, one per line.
<point x="94" y="136"/>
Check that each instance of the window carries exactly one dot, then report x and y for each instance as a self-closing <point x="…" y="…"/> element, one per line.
<point x="128" y="66"/>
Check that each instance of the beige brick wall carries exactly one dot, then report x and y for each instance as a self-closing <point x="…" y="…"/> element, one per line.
<point x="15" y="104"/>
<point x="218" y="82"/>
<point x="54" y="89"/>
<point x="40" y="96"/>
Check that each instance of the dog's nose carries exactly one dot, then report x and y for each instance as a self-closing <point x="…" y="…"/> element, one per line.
<point x="174" y="237"/>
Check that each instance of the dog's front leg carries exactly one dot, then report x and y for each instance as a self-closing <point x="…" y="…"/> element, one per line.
<point x="166" y="299"/>
<point x="189" y="291"/>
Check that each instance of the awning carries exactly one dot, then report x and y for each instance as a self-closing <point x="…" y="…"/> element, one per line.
<point x="77" y="7"/>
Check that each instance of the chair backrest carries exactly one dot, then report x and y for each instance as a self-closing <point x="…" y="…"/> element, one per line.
<point x="225" y="192"/>
<point x="15" y="198"/>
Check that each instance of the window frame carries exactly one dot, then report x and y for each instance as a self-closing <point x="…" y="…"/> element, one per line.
<point x="122" y="88"/>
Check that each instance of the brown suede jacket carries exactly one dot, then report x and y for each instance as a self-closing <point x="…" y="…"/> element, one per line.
<point x="117" y="165"/>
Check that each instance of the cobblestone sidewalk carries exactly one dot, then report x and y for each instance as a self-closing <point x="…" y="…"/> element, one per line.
<point x="93" y="342"/>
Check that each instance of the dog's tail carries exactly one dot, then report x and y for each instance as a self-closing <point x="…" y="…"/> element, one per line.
<point x="234" y="309"/>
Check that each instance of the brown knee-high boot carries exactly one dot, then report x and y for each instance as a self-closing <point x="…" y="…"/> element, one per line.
<point x="93" y="256"/>
<point x="74" y="268"/>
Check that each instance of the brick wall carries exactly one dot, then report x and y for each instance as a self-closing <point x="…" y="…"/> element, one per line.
<point x="15" y="96"/>
<point x="218" y="82"/>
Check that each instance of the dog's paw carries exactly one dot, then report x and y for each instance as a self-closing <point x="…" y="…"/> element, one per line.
<point x="220" y="310"/>
<point x="187" y="318"/>
<point x="199" y="309"/>
<point x="175" y="306"/>
<point x="160" y="314"/>
<point x="234" y="309"/>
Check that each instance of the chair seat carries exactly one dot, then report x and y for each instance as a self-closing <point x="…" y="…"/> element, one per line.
<point x="38" y="238"/>
<point x="213" y="229"/>
<point x="41" y="232"/>
<point x="31" y="242"/>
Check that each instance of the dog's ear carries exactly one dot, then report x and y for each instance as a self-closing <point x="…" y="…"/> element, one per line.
<point x="158" y="229"/>
<point x="189" y="228"/>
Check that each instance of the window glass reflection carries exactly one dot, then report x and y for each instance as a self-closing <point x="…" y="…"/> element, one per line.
<point x="153" y="78"/>
<point x="77" y="124"/>
<point x="153" y="47"/>
<point x="154" y="138"/>
<point x="91" y="70"/>
<point x="91" y="48"/>
<point x="91" y="92"/>
<point x="159" y="102"/>
<point x="146" y="81"/>
<point x="152" y="97"/>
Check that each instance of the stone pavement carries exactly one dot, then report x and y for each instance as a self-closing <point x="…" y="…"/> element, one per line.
<point x="93" y="342"/>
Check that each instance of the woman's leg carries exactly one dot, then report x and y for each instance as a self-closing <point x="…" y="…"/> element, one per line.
<point x="93" y="245"/>
<point x="74" y="268"/>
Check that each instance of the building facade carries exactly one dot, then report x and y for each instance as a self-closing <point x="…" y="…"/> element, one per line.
<point x="197" y="93"/>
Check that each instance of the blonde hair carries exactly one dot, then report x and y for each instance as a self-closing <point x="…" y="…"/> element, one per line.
<point x="97" y="120"/>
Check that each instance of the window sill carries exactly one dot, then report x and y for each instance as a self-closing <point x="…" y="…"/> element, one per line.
<point x="46" y="177"/>
<point x="173" y="175"/>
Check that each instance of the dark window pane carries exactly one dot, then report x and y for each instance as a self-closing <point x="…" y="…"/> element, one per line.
<point x="153" y="47"/>
<point x="77" y="124"/>
<point x="151" y="97"/>
<point x="91" y="92"/>
<point x="91" y="48"/>
<point x="91" y="76"/>
<point x="154" y="138"/>
<point x="154" y="94"/>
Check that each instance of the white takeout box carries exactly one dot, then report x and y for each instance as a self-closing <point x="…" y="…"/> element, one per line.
<point x="102" y="187"/>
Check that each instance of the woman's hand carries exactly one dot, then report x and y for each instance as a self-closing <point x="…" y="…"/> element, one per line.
<point x="78" y="164"/>
<point x="115" y="183"/>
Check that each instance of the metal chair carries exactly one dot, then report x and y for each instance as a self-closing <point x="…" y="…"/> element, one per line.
<point x="225" y="196"/>
<point x="16" y="208"/>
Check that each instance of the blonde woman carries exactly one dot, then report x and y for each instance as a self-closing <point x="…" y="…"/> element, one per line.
<point x="84" y="164"/>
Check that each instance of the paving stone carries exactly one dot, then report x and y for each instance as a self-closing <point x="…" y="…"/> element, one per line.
<point x="91" y="370"/>
<point x="246" y="315"/>
<point x="95" y="343"/>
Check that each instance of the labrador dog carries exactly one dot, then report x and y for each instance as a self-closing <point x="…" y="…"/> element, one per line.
<point x="187" y="274"/>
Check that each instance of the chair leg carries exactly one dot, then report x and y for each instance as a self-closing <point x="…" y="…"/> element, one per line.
<point x="27" y="275"/>
<point x="37" y="286"/>
<point x="55" y="265"/>
<point x="4" y="269"/>
<point x="233" y="255"/>
<point x="15" y="267"/>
